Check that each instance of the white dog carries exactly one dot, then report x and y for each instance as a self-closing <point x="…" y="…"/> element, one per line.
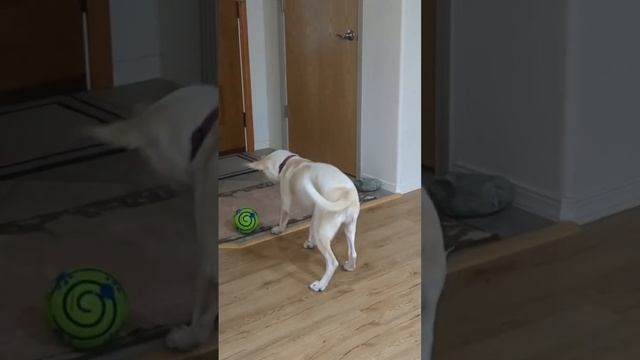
<point x="329" y="192"/>
<point x="178" y="136"/>
<point x="434" y="271"/>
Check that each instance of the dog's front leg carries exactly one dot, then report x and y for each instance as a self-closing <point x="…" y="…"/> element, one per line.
<point x="310" y="243"/>
<point x="284" y="219"/>
<point x="205" y="309"/>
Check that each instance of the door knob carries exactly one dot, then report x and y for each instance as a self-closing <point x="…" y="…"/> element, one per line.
<point x="348" y="35"/>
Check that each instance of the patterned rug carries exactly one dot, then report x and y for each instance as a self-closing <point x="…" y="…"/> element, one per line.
<point x="459" y="235"/>
<point x="119" y="235"/>
<point x="45" y="134"/>
<point x="265" y="199"/>
<point x="234" y="165"/>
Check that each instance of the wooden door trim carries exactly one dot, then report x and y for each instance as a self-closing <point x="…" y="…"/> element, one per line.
<point x="28" y="46"/>
<point x="429" y="136"/>
<point x="442" y="87"/>
<point x="99" y="43"/>
<point x="250" y="144"/>
<point x="234" y="80"/>
<point x="359" y="91"/>
<point x="284" y="125"/>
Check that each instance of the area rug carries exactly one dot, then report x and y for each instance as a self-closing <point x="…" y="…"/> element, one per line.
<point x="126" y="100"/>
<point x="128" y="236"/>
<point x="459" y="235"/>
<point x="265" y="199"/>
<point x="234" y="165"/>
<point x="47" y="133"/>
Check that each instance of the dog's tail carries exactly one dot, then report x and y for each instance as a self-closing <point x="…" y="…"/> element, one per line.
<point x="122" y="133"/>
<point x="346" y="197"/>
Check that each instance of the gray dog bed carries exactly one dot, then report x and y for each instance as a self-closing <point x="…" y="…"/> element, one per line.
<point x="460" y="195"/>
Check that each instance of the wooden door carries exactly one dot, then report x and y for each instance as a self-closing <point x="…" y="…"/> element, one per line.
<point x="429" y="84"/>
<point x="231" y="126"/>
<point x="42" y="48"/>
<point x="322" y="77"/>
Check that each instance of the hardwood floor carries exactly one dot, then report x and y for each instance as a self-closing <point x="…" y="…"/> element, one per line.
<point x="267" y="310"/>
<point x="574" y="298"/>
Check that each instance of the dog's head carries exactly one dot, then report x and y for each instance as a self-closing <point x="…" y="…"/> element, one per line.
<point x="270" y="164"/>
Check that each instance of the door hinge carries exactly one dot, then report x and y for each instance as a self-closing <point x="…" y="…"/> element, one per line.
<point x="83" y="6"/>
<point x="244" y="119"/>
<point x="285" y="111"/>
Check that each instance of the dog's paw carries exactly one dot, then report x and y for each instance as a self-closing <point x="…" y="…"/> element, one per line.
<point x="318" y="286"/>
<point x="184" y="338"/>
<point x="308" y="245"/>
<point x="276" y="230"/>
<point x="349" y="265"/>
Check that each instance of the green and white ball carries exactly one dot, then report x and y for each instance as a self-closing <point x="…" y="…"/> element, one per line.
<point x="246" y="220"/>
<point x="88" y="307"/>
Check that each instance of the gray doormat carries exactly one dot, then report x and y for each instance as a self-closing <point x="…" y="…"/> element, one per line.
<point x="459" y="235"/>
<point x="117" y="235"/>
<point x="234" y="165"/>
<point x="128" y="236"/>
<point x="265" y="199"/>
<point x="44" y="134"/>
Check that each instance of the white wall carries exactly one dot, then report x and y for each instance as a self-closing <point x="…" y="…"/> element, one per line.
<point x="390" y="109"/>
<point x="410" y="117"/>
<point x="545" y="93"/>
<point x="603" y="108"/>
<point x="264" y="62"/>
<point x="156" y="38"/>
<point x="390" y="128"/>
<point x="507" y="94"/>
<point x="381" y="38"/>
<point x="135" y="38"/>
<point x="180" y="46"/>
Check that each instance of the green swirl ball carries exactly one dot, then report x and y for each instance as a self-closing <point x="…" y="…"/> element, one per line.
<point x="246" y="220"/>
<point x="88" y="307"/>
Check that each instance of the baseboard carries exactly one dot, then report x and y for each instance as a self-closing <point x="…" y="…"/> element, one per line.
<point x="527" y="198"/>
<point x="404" y="188"/>
<point x="475" y="256"/>
<point x="602" y="204"/>
<point x="390" y="187"/>
<point x="260" y="145"/>
<point x="537" y="202"/>
<point x="580" y="210"/>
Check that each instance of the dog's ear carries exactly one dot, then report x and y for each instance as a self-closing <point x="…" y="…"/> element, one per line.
<point x="256" y="165"/>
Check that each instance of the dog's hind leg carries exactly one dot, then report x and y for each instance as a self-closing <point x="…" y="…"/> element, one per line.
<point x="350" y="233"/>
<point x="325" y="230"/>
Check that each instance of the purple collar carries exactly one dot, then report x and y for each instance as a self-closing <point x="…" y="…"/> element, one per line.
<point x="284" y="162"/>
<point x="200" y="133"/>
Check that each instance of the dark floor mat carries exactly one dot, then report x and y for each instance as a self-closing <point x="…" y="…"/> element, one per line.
<point x="459" y="235"/>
